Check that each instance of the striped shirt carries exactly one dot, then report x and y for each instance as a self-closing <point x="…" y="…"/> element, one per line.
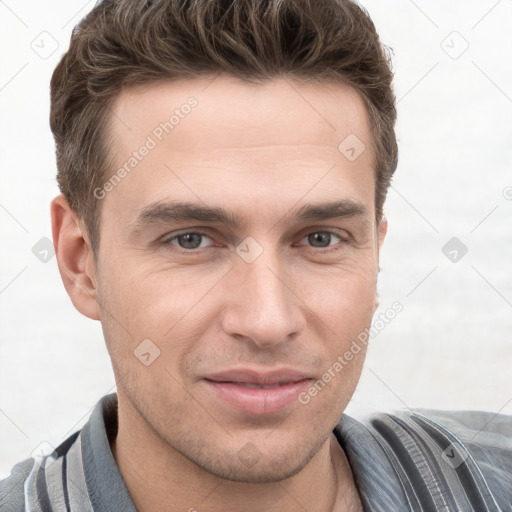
<point x="417" y="460"/>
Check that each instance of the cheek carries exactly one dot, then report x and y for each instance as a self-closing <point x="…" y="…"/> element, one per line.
<point x="343" y="296"/>
<point x="153" y="299"/>
<point x="345" y="306"/>
<point x="163" y="307"/>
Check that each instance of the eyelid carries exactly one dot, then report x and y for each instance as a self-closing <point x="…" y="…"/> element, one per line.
<point x="340" y="233"/>
<point x="330" y="248"/>
<point x="343" y="235"/>
<point x="168" y="239"/>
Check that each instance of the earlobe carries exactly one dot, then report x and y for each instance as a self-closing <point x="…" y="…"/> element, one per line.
<point x="383" y="229"/>
<point x="74" y="257"/>
<point x="376" y="303"/>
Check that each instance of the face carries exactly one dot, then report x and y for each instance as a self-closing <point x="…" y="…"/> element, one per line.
<point x="216" y="276"/>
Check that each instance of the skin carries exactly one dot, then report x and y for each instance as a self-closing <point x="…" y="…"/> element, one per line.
<point x="261" y="151"/>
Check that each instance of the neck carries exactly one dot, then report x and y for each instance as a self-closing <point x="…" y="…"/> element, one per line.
<point x="160" y="478"/>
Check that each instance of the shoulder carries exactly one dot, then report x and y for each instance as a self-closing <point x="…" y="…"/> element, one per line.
<point x="469" y="450"/>
<point x="28" y="482"/>
<point x="474" y="427"/>
<point x="12" y="488"/>
<point x="486" y="436"/>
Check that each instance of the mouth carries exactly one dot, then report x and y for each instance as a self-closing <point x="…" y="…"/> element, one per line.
<point x="256" y="386"/>
<point x="255" y="392"/>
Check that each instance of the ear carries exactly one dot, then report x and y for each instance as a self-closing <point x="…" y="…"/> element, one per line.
<point x="382" y="229"/>
<point x="74" y="257"/>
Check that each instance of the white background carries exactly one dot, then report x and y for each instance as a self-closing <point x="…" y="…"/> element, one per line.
<point x="450" y="348"/>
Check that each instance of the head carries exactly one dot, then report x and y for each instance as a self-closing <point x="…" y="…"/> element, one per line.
<point x="202" y="148"/>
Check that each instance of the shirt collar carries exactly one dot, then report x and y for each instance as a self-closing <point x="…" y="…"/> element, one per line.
<point x="105" y="485"/>
<point x="376" y="480"/>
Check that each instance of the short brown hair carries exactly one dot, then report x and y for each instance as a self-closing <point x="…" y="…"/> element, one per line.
<point x="130" y="42"/>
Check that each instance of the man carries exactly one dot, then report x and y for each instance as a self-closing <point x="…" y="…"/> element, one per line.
<point x="223" y="168"/>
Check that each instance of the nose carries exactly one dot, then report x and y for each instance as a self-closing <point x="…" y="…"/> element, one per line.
<point x="264" y="305"/>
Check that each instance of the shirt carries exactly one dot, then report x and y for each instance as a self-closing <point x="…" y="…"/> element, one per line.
<point x="412" y="460"/>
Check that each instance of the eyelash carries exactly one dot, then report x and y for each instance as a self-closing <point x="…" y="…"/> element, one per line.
<point x="344" y="239"/>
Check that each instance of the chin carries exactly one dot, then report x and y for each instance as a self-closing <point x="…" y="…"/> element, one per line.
<point x="255" y="463"/>
<point x="263" y="472"/>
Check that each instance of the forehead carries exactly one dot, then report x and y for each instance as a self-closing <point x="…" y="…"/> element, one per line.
<point x="318" y="112"/>
<point x="221" y="141"/>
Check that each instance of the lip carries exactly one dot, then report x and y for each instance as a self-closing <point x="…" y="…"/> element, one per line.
<point x="261" y="378"/>
<point x="231" y="387"/>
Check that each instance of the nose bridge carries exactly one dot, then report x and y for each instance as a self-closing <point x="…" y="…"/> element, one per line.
<point x="263" y="306"/>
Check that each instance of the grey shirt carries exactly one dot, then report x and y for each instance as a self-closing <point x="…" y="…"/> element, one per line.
<point x="419" y="460"/>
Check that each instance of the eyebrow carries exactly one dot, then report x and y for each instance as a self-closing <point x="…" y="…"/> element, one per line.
<point x="178" y="211"/>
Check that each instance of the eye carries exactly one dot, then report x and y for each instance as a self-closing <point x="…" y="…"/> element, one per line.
<point x="322" y="239"/>
<point x="190" y="240"/>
